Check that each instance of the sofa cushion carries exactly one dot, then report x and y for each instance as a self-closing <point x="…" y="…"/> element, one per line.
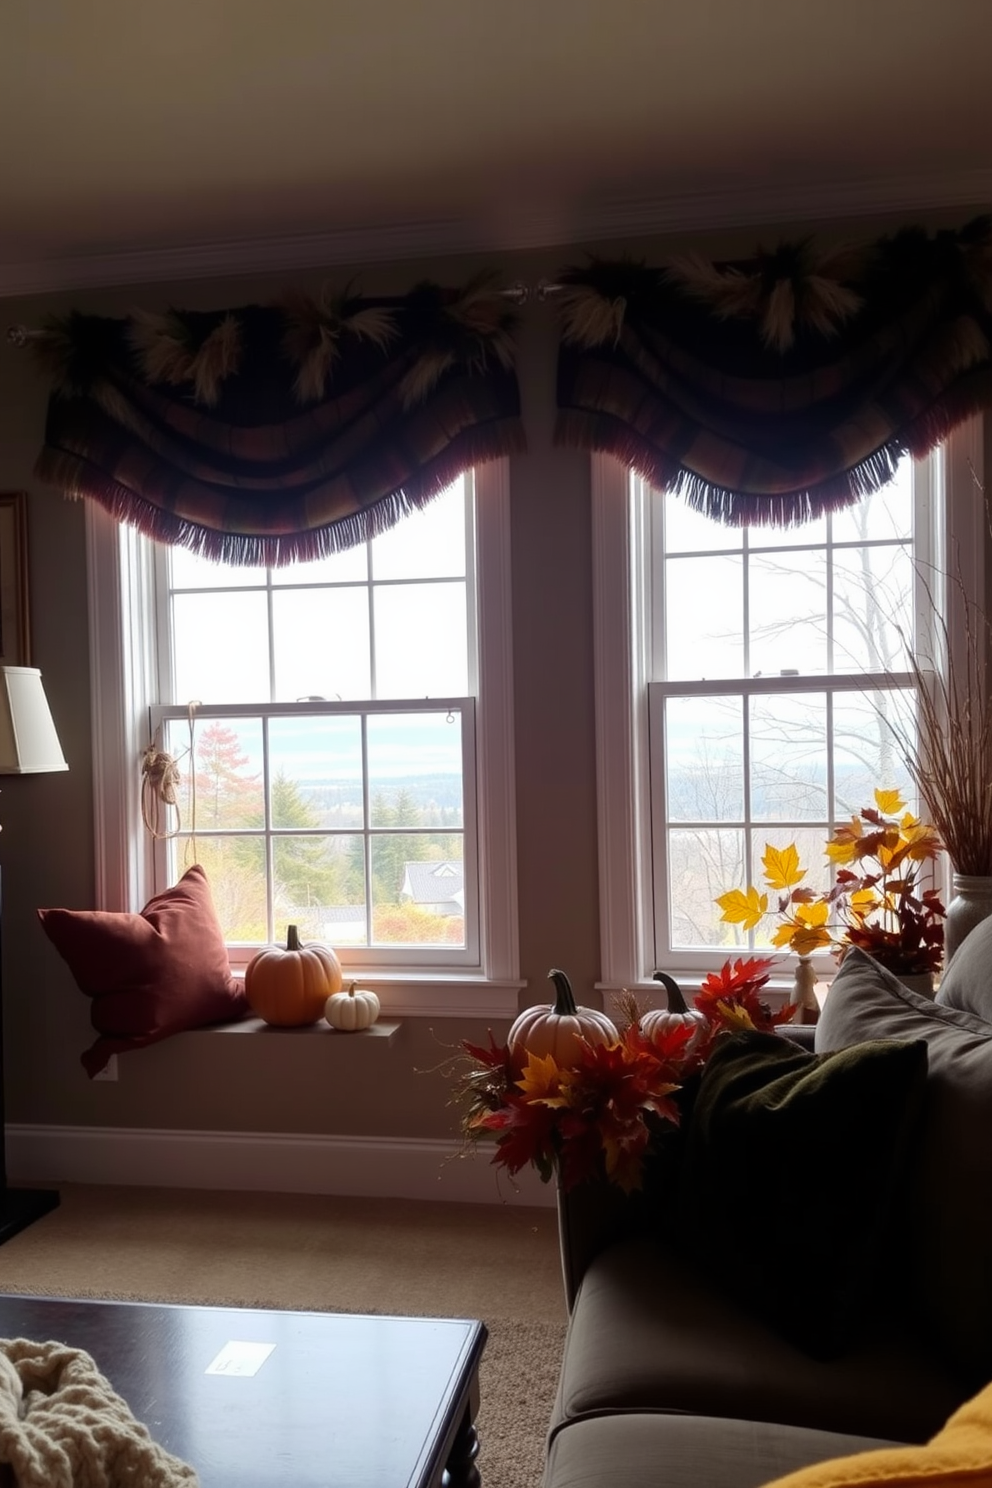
<point x="151" y="974"/>
<point x="799" y="1151"/>
<point x="650" y="1332"/>
<point x="960" y="1453"/>
<point x="948" y="1248"/>
<point x="643" y="1451"/>
<point x="967" y="982"/>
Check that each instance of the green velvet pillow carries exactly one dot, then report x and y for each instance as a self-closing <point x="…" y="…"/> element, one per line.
<point x="793" y="1162"/>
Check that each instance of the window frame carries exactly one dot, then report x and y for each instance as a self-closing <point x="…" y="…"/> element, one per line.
<point x="623" y="628"/>
<point x="124" y="676"/>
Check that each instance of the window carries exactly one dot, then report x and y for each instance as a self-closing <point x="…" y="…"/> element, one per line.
<point x="343" y="731"/>
<point x="757" y="667"/>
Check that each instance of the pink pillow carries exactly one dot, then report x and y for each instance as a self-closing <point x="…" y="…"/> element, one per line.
<point x="151" y="974"/>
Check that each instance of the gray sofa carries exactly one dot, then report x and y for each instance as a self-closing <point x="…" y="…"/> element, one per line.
<point x="703" y="1357"/>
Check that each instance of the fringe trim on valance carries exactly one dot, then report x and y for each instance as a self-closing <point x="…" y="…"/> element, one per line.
<point x="280" y="433"/>
<point x="305" y="546"/>
<point x="778" y="388"/>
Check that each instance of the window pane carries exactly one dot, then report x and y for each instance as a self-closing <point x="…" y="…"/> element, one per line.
<point x="873" y="609"/>
<point x="235" y="868"/>
<point x="865" y="753"/>
<point x="224" y="791"/>
<point x="351" y="566"/>
<point x="421" y="647"/>
<point x="418" y="891"/>
<point x="428" y="544"/>
<point x="187" y="571"/>
<point x="311" y="876"/>
<point x="221" y="647"/>
<point x="702" y="863"/>
<point x="688" y="531"/>
<point x="789" y="757"/>
<point x="315" y="768"/>
<point x="345" y="922"/>
<point x="704" y="758"/>
<point x="805" y="534"/>
<point x="788" y="613"/>
<point x="415" y="770"/>
<point x="704" y="618"/>
<point x="886" y="514"/>
<point x="810" y="844"/>
<point x="321" y="643"/>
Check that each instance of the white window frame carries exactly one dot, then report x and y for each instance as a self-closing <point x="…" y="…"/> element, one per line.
<point x="622" y="635"/>
<point x="124" y="687"/>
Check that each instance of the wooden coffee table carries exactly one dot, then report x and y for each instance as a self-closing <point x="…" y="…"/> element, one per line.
<point x="337" y="1401"/>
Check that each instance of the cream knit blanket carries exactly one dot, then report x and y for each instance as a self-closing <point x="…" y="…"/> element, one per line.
<point x="62" y="1425"/>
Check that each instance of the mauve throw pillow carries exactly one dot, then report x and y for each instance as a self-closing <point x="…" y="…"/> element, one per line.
<point x="947" y="1244"/>
<point x="795" y="1158"/>
<point x="152" y="974"/>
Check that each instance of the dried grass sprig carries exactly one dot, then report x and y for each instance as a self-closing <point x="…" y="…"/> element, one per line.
<point x="949" y="756"/>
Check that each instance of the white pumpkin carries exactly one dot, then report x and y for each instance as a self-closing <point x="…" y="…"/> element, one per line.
<point x="351" y="1011"/>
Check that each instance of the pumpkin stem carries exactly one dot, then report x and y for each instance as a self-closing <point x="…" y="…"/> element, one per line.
<point x="676" y="1002"/>
<point x="292" y="938"/>
<point x="351" y="989"/>
<point x="564" y="1001"/>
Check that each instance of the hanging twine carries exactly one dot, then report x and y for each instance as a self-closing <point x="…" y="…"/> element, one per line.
<point x="160" y="778"/>
<point x="62" y="1425"/>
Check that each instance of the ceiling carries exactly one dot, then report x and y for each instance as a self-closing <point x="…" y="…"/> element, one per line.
<point x="142" y="140"/>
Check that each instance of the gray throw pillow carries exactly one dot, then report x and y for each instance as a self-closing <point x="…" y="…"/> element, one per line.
<point x="948" y="1239"/>
<point x="967" y="982"/>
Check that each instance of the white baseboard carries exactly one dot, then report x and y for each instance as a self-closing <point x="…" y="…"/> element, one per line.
<point x="366" y="1167"/>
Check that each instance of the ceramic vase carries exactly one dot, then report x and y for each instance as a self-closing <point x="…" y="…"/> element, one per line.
<point x="971" y="902"/>
<point x="804" y="994"/>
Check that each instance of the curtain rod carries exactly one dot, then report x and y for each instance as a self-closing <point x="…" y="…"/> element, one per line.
<point x="520" y="293"/>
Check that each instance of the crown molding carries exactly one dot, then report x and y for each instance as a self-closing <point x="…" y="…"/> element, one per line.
<point x="549" y="225"/>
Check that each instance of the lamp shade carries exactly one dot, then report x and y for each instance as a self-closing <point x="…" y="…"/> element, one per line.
<point x="28" y="741"/>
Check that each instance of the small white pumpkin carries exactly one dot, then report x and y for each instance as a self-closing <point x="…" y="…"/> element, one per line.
<point x="351" y="1011"/>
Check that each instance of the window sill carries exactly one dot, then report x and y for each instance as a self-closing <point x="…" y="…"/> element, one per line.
<point x="431" y="995"/>
<point x="383" y="1031"/>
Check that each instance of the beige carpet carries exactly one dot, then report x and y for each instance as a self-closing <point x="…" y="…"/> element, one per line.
<point x="494" y="1262"/>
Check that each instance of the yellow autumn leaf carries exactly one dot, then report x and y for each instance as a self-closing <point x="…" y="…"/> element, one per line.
<point x="812" y="915"/>
<point x="781" y="865"/>
<point x="809" y="938"/>
<point x="539" y="1079"/>
<point x="743" y="907"/>
<point x="783" y="935"/>
<point x="863" y="901"/>
<point x="843" y="845"/>
<point x="889" y="802"/>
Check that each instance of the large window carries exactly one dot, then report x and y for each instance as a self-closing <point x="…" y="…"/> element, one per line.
<point x="355" y="823"/>
<point x="779" y="666"/>
<point x="343" y="733"/>
<point x="746" y="684"/>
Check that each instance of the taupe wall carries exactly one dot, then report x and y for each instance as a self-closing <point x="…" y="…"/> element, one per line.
<point x="46" y="845"/>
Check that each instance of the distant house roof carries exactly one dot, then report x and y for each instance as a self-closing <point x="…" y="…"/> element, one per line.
<point x="435" y="883"/>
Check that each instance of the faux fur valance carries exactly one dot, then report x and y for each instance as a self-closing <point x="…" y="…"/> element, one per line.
<point x="267" y="434"/>
<point x="772" y="389"/>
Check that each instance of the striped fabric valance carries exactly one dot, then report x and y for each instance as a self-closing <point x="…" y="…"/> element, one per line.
<point x="772" y="389"/>
<point x="268" y="434"/>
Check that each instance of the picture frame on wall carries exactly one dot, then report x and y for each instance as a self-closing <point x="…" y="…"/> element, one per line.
<point x="15" y="640"/>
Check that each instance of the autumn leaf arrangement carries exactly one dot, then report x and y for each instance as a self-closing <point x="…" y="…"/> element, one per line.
<point x="877" y="900"/>
<point x="578" y="1097"/>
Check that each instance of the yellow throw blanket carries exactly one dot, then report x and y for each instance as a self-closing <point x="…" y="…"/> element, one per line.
<point x="959" y="1456"/>
<point x="62" y="1425"/>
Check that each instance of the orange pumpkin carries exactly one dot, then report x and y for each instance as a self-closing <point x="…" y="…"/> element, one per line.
<point x="557" y="1028"/>
<point x="659" y="1021"/>
<point x="290" y="987"/>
